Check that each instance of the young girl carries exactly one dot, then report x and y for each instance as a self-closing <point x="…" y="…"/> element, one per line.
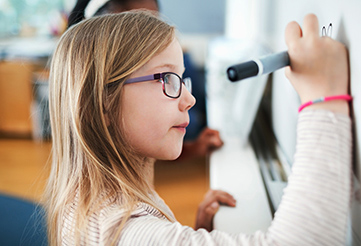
<point x="207" y="139"/>
<point x="118" y="101"/>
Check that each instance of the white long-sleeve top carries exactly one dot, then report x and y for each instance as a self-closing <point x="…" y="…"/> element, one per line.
<point x="313" y="210"/>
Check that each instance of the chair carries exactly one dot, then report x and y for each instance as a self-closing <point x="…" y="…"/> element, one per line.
<point x="21" y="222"/>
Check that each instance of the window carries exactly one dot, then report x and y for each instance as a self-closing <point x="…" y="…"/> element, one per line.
<point x="32" y="17"/>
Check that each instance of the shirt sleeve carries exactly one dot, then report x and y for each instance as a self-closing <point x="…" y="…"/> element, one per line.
<point x="314" y="207"/>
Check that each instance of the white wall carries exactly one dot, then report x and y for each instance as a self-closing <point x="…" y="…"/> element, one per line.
<point x="195" y="17"/>
<point x="197" y="21"/>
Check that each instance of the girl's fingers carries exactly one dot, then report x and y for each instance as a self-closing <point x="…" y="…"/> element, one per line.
<point x="220" y="197"/>
<point x="226" y="199"/>
<point x="310" y="26"/>
<point x="293" y="32"/>
<point x="211" y="210"/>
<point x="209" y="207"/>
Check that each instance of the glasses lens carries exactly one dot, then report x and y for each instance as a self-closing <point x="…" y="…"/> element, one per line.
<point x="172" y="85"/>
<point x="188" y="84"/>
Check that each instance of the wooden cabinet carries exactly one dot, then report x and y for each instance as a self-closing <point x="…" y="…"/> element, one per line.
<point x="16" y="98"/>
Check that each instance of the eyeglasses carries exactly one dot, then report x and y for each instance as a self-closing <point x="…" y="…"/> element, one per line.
<point x="172" y="83"/>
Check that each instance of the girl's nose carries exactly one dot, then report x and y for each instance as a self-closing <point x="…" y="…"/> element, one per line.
<point x="187" y="100"/>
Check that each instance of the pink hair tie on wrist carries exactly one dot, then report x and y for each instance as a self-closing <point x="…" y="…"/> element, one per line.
<point x="325" y="99"/>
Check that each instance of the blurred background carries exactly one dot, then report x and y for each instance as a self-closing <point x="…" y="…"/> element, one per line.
<point x="257" y="116"/>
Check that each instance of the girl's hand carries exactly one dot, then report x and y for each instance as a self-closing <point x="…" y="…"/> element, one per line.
<point x="209" y="207"/>
<point x="319" y="65"/>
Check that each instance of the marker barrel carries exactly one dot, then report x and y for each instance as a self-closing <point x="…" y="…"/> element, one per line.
<point x="263" y="65"/>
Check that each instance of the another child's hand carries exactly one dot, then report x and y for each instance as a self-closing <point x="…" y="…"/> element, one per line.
<point x="207" y="141"/>
<point x="209" y="207"/>
<point x="319" y="65"/>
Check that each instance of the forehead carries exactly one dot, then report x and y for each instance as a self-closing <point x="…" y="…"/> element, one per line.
<point x="169" y="60"/>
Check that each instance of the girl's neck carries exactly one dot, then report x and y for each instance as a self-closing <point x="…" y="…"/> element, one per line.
<point x="149" y="171"/>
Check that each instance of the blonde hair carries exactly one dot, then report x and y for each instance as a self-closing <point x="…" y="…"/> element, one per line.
<point x="90" y="153"/>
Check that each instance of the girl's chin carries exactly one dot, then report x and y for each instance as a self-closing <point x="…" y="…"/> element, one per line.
<point x="170" y="157"/>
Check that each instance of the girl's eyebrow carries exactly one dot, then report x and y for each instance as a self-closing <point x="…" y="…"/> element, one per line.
<point x="169" y="66"/>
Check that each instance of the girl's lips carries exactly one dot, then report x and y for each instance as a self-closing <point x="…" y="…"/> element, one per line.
<point x="184" y="125"/>
<point x="181" y="127"/>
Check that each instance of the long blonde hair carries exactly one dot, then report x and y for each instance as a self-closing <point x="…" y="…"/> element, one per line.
<point x="90" y="153"/>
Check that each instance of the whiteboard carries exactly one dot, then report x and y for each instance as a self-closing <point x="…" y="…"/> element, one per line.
<point x="263" y="22"/>
<point x="345" y="17"/>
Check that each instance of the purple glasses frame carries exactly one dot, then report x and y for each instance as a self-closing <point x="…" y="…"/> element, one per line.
<point x="160" y="77"/>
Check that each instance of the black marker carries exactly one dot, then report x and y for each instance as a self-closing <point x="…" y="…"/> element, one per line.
<point x="263" y="65"/>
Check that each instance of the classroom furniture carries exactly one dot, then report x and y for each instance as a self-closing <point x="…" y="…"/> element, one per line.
<point x="15" y="98"/>
<point x="22" y="222"/>
<point x="23" y="78"/>
<point x="24" y="100"/>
